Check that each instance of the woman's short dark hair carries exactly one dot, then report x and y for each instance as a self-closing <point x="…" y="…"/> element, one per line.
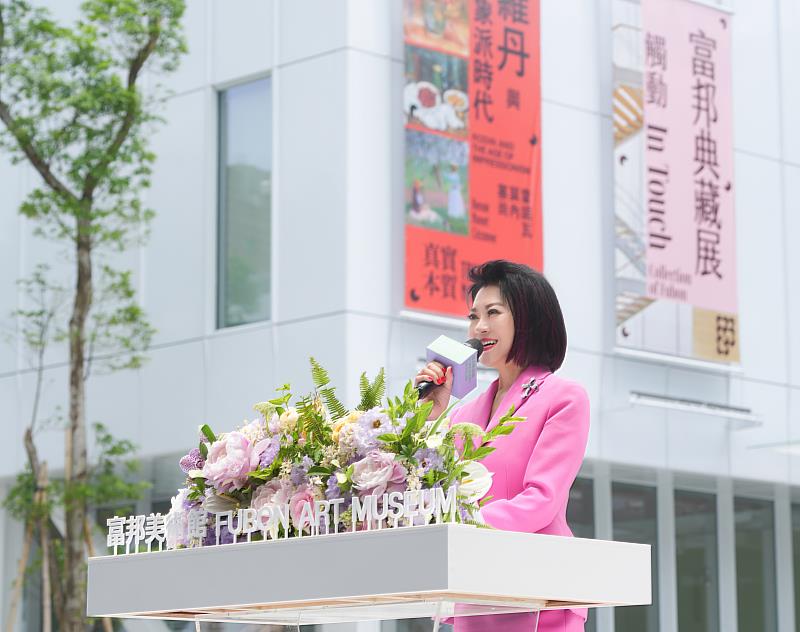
<point x="540" y="336"/>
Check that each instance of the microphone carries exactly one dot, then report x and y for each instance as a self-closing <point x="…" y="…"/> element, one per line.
<point x="461" y="357"/>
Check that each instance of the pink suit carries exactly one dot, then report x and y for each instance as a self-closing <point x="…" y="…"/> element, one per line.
<point x="534" y="468"/>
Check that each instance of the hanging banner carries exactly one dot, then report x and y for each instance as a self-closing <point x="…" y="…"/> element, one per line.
<point x="674" y="193"/>
<point x="472" y="144"/>
<point x="691" y="250"/>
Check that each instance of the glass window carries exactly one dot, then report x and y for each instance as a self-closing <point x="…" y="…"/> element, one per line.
<point x="634" y="520"/>
<point x="245" y="184"/>
<point x="696" y="553"/>
<point x="580" y="510"/>
<point x="580" y="517"/>
<point x="755" y="564"/>
<point x="796" y="556"/>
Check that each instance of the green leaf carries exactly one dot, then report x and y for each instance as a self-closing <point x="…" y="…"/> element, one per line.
<point x="203" y="449"/>
<point x="321" y="380"/>
<point x="482" y="452"/>
<point x="371" y="393"/>
<point x="318" y="374"/>
<point x="388" y="437"/>
<point x="207" y="433"/>
<point x="318" y="470"/>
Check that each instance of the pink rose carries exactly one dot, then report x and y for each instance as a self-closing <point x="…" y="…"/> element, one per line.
<point x="302" y="495"/>
<point x="230" y="460"/>
<point x="397" y="481"/>
<point x="377" y="471"/>
<point x="267" y="494"/>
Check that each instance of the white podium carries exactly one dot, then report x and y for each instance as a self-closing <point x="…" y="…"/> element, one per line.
<point x="428" y="571"/>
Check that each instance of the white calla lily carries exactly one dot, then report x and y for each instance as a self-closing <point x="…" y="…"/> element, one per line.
<point x="476" y="483"/>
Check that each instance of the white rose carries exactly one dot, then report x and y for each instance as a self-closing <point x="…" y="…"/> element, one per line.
<point x="476" y="483"/>
<point x="289" y="419"/>
<point x="434" y="441"/>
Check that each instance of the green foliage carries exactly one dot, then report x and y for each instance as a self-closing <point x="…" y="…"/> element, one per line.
<point x="208" y="433"/>
<point x="70" y="97"/>
<point x="111" y="481"/>
<point x="321" y="380"/>
<point x="119" y="333"/>
<point x="265" y="409"/>
<point x="72" y="106"/>
<point x="43" y="300"/>
<point x="113" y="477"/>
<point x="312" y="420"/>
<point x="280" y="404"/>
<point x="371" y="392"/>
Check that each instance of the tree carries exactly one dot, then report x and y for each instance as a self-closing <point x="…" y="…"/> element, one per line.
<point x="73" y="107"/>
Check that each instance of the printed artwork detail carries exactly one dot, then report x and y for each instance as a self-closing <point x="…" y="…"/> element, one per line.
<point x="472" y="144"/>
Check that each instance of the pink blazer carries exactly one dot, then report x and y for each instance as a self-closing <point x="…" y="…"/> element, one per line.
<point x="535" y="466"/>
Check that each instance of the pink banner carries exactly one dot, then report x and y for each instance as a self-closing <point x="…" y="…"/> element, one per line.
<point x="690" y="230"/>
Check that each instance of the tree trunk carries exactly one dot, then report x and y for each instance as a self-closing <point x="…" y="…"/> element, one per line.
<point x="16" y="593"/>
<point x="87" y="533"/>
<point x="44" y="525"/>
<point x="75" y="465"/>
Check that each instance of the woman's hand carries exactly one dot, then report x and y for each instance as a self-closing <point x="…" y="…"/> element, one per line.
<point x="443" y="377"/>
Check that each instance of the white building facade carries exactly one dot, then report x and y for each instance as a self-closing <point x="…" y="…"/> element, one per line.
<point x="279" y="235"/>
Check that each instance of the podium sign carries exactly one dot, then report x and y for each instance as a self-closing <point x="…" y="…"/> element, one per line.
<point x="434" y="570"/>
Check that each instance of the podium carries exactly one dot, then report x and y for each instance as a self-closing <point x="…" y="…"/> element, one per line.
<point x="427" y="571"/>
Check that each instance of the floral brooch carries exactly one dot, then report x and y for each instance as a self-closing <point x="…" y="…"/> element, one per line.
<point x="531" y="386"/>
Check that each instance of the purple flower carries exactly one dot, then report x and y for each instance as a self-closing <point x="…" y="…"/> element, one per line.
<point x="332" y="490"/>
<point x="429" y="459"/>
<point x="270" y="452"/>
<point x="369" y="427"/>
<point x="225" y="536"/>
<point x="192" y="461"/>
<point x="299" y="475"/>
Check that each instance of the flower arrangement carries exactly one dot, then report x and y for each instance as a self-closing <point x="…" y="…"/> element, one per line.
<point x="305" y="457"/>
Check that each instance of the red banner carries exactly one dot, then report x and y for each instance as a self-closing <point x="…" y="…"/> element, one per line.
<point x="473" y="144"/>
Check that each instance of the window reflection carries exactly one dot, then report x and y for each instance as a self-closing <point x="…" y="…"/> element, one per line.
<point x="580" y="518"/>
<point x="755" y="564"/>
<point x="245" y="185"/>
<point x="634" y="520"/>
<point x="696" y="553"/>
<point x="796" y="560"/>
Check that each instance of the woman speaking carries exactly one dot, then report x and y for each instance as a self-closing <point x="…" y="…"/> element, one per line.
<point x="515" y="314"/>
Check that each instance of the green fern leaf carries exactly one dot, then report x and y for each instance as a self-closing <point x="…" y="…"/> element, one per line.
<point x="378" y="387"/>
<point x="335" y="407"/>
<point x="312" y="419"/>
<point x="321" y="379"/>
<point x="319" y="374"/>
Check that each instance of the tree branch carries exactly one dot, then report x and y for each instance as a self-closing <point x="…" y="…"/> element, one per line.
<point x="33" y="156"/>
<point x="2" y="35"/>
<point x="137" y="63"/>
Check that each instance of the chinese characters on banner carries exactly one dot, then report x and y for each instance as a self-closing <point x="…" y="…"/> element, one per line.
<point x="689" y="155"/>
<point x="679" y="120"/>
<point x="472" y="164"/>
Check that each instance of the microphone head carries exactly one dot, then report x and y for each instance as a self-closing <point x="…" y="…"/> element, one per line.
<point x="464" y="361"/>
<point x="477" y="345"/>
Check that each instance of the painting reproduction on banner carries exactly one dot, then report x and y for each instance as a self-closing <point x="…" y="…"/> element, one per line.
<point x="471" y="102"/>
<point x="675" y="256"/>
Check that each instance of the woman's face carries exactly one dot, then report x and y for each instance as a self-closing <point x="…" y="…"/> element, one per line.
<point x="491" y="322"/>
